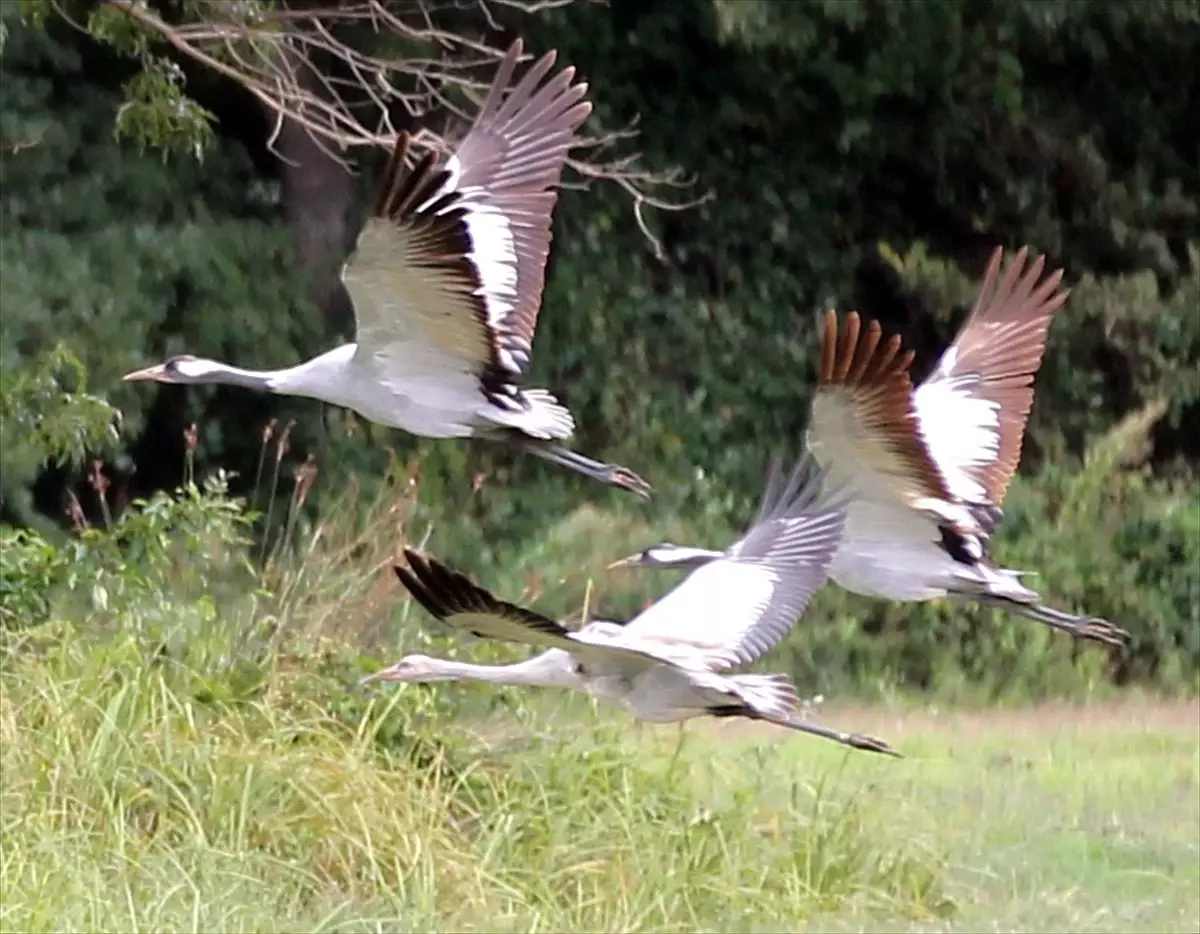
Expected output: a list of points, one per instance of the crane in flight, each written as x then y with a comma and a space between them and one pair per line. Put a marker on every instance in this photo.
672, 662
927, 469
446, 281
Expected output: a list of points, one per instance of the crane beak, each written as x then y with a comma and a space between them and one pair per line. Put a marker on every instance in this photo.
632, 561
157, 372
383, 674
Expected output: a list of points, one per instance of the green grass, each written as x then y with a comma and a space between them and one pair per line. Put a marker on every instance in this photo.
131, 804
184, 746
1050, 818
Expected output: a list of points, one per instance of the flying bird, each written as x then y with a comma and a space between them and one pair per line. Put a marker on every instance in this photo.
928, 468
446, 282
672, 662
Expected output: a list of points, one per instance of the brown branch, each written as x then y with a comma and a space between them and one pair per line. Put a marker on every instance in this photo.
272, 54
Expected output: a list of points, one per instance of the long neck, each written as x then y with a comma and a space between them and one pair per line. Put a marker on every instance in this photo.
225, 374
553, 668
318, 378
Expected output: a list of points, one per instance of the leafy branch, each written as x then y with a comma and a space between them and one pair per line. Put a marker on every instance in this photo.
45, 406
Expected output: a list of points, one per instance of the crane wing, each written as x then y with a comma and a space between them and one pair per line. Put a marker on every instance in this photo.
738, 607
864, 427
461, 604
453, 258
974, 405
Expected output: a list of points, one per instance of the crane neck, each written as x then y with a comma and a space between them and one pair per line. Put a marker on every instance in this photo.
553, 668
682, 558
323, 377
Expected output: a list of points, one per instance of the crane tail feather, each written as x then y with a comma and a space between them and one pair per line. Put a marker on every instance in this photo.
772, 695
538, 415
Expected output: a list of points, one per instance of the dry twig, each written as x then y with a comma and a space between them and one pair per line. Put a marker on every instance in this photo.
295, 62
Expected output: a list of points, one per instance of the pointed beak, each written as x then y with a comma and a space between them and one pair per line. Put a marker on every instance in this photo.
157, 372
631, 562
380, 675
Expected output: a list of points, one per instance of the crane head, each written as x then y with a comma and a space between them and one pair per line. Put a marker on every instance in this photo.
668, 556
182, 368
414, 669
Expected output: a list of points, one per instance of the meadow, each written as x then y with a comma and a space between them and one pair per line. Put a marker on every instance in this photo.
184, 746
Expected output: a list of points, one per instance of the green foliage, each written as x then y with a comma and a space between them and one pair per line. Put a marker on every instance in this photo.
158, 115
46, 415
128, 259
147, 720
835, 127
180, 552
862, 155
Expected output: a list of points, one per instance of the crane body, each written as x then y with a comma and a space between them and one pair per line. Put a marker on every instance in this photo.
927, 468
446, 281
673, 661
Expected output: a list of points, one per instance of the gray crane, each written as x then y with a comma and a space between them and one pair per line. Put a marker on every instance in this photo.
671, 662
446, 282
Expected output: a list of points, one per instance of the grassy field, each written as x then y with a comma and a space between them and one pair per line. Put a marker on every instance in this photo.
184, 747
131, 804
1049, 818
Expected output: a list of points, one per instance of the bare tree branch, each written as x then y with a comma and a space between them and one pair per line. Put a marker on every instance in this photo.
292, 60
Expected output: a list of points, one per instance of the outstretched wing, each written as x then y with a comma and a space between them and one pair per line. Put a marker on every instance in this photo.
453, 260
461, 604
974, 405
738, 607
863, 426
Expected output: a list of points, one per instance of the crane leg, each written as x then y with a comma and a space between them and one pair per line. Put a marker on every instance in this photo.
1081, 627
678, 749
613, 475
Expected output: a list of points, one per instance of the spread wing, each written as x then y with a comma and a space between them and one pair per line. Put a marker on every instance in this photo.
453, 260
461, 604
864, 426
738, 607
974, 406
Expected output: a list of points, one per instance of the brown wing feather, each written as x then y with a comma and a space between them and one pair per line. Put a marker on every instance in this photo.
514, 153
510, 160
1003, 342
417, 238
871, 377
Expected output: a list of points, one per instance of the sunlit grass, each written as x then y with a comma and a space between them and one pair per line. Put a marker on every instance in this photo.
129, 805
181, 751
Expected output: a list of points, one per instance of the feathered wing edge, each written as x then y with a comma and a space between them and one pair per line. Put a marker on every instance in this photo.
872, 378
446, 595
789, 555
454, 598
797, 547
1002, 343
806, 489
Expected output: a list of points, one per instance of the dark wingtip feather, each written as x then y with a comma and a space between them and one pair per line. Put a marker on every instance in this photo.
445, 593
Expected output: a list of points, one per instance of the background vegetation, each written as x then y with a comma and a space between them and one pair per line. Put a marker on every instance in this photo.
858, 154
193, 580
